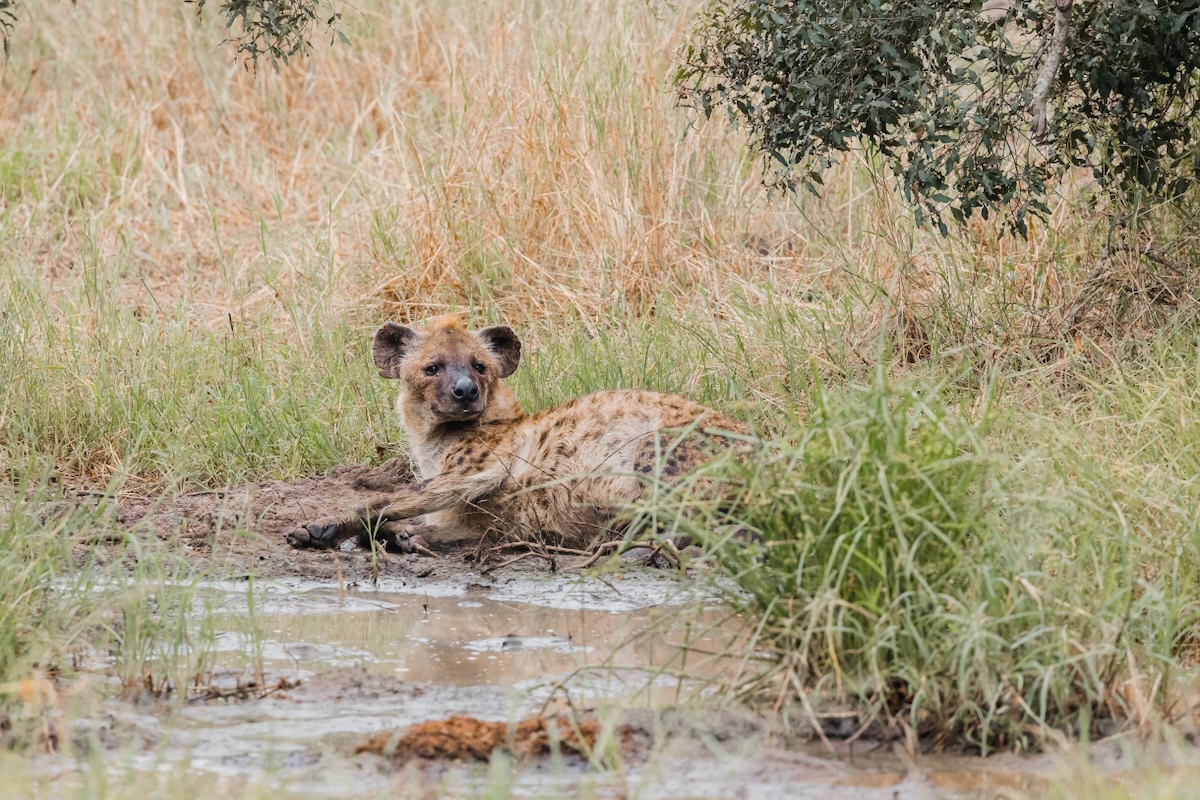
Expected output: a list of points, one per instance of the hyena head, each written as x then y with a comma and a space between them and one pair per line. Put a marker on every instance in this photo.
449, 374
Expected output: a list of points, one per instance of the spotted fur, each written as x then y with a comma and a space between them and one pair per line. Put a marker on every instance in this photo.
489, 471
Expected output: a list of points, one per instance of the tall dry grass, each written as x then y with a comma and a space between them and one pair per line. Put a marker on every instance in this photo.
524, 158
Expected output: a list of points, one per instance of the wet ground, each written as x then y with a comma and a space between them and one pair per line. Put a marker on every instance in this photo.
356, 661
626, 650
314, 653
366, 660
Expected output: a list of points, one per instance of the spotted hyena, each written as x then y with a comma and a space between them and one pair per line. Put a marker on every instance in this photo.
489, 471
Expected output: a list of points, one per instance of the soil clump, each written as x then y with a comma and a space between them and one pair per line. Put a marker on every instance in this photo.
462, 738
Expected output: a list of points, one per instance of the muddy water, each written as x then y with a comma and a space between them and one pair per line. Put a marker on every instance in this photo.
387, 655
524, 633
370, 658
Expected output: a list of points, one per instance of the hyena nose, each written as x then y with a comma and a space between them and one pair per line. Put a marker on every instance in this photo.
465, 389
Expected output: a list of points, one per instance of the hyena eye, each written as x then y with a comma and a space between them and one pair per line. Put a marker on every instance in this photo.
479, 368
432, 369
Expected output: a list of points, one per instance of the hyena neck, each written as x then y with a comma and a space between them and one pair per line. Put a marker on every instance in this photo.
429, 438
502, 406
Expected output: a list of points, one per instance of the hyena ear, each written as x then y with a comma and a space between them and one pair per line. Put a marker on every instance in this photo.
503, 343
391, 343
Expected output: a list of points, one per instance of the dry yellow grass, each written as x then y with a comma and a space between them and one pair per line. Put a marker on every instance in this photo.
523, 158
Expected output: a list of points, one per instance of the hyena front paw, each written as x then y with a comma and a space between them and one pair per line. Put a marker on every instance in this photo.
322, 534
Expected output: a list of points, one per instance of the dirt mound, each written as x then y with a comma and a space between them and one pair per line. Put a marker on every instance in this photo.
239, 530
468, 739
269, 507
243, 526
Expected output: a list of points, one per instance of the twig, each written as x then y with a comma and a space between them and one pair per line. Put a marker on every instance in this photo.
600, 552
421, 549
532, 548
549, 548
672, 554
241, 692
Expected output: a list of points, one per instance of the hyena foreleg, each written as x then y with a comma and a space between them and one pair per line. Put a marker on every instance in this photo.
381, 516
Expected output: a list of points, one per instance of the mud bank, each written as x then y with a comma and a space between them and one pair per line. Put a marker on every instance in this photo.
239, 530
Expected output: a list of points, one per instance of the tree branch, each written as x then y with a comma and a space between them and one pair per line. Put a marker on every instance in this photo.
1045, 80
8, 18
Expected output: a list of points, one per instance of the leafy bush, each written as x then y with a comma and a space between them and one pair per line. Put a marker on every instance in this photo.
274, 28
8, 17
943, 95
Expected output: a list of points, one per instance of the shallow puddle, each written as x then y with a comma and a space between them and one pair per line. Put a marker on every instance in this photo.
376, 657
373, 658
503, 635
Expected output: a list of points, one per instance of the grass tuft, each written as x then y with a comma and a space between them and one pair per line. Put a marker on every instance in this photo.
890, 553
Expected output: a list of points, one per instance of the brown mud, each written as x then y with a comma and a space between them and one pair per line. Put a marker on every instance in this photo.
240, 529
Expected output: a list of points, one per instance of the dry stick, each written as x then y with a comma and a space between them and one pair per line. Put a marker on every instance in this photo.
672, 553
1095, 280
1045, 80
549, 548
667, 549
564, 551
421, 549
240, 692
531, 549
601, 551
655, 550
